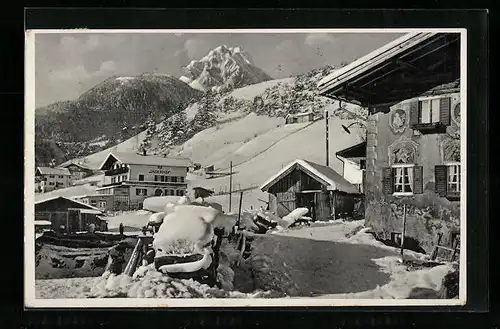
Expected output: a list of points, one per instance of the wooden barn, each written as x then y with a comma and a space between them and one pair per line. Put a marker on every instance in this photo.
69, 216
305, 184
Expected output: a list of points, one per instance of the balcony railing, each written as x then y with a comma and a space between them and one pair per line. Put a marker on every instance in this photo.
116, 171
159, 183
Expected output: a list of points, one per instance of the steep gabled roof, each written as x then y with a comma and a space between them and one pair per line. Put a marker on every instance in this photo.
53, 171
154, 160
77, 203
323, 174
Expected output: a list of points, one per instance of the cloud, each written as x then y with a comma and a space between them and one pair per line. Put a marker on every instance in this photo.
107, 67
318, 39
196, 48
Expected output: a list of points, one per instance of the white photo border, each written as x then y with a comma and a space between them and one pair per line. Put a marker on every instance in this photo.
29, 197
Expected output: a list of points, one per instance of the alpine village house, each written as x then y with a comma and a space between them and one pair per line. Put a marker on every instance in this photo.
411, 88
131, 178
49, 178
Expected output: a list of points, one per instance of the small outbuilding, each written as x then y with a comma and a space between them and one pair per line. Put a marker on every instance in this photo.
299, 117
69, 216
305, 184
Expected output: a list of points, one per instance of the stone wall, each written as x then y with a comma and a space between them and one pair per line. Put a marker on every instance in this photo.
427, 213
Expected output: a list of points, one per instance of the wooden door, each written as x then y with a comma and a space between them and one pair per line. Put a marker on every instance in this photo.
73, 220
322, 206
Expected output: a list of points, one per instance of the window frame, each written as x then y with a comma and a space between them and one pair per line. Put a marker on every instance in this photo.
402, 165
138, 191
459, 174
431, 110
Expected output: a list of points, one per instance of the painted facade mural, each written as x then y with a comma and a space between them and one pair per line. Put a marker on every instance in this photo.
432, 165
398, 120
403, 150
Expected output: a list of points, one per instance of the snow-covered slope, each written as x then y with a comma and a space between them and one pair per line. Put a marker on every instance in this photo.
223, 68
261, 157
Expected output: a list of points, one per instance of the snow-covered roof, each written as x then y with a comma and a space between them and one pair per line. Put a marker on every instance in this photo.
301, 114
74, 163
139, 159
325, 175
91, 195
53, 171
90, 211
85, 206
42, 222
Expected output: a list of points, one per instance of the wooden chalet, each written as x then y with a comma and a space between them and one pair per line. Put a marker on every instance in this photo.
69, 216
305, 184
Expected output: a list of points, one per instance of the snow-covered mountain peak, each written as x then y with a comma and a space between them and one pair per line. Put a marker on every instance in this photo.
223, 67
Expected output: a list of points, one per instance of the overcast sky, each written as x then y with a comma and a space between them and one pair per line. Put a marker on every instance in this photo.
68, 64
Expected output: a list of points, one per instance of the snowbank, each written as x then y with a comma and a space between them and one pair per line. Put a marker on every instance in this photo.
157, 203
402, 281
135, 219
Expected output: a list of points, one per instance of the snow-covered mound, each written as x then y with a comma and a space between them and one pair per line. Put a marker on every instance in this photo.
185, 79
224, 68
158, 203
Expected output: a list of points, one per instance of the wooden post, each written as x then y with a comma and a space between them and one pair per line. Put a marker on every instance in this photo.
67, 222
239, 209
80, 223
230, 183
403, 232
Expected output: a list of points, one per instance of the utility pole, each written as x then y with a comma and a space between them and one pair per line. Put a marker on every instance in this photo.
230, 183
326, 135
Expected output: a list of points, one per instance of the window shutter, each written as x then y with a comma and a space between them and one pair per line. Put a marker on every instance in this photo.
387, 181
418, 180
413, 113
441, 177
444, 110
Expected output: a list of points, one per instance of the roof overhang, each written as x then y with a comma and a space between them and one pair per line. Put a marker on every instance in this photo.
400, 70
356, 151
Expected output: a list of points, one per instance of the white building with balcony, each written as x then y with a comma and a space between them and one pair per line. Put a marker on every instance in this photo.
131, 178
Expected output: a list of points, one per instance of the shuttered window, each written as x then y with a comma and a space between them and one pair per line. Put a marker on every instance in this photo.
448, 180
402, 180
431, 113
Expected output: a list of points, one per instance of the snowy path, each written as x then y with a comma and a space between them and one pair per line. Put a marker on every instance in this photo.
318, 264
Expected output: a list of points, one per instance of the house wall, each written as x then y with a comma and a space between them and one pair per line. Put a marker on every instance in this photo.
149, 172
352, 172
53, 182
96, 201
78, 173
427, 213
